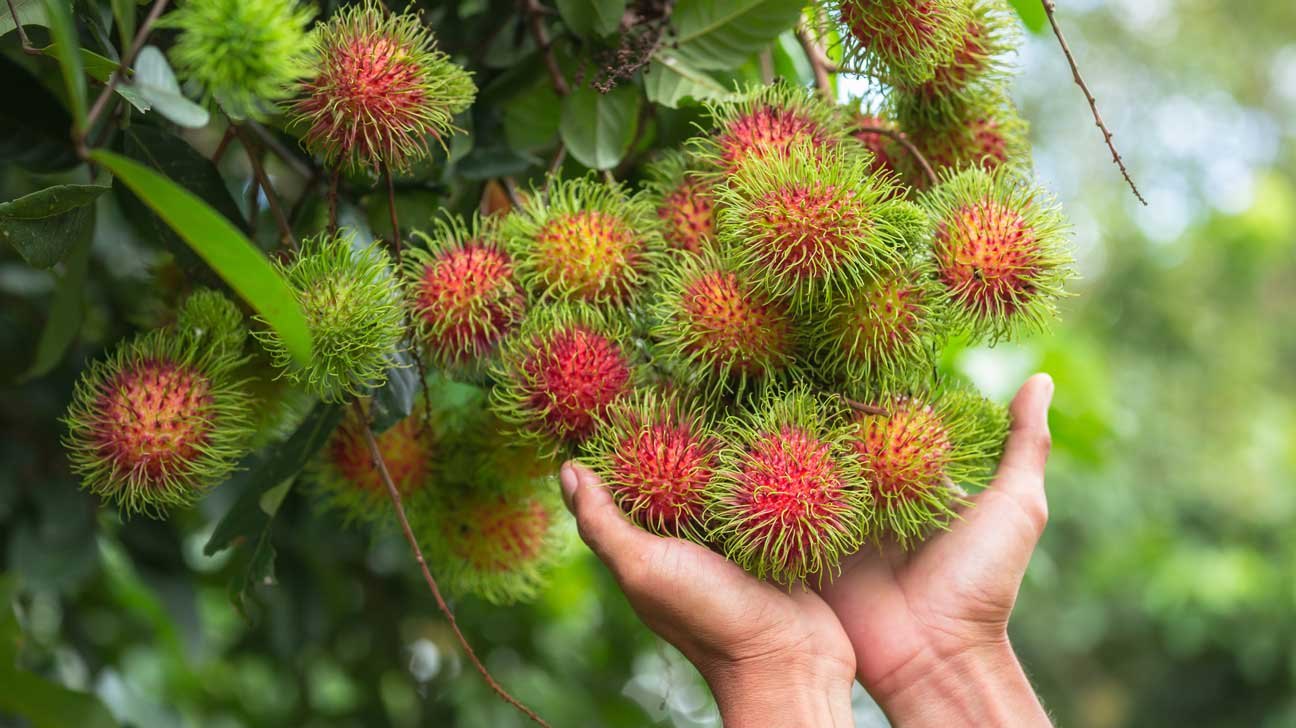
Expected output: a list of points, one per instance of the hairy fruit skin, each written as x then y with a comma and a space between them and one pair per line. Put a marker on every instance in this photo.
210, 317
901, 42
158, 423
985, 132
656, 453
1001, 253
920, 454
246, 54
684, 200
978, 64
559, 373
349, 297
349, 481
380, 90
589, 242
763, 124
463, 295
789, 499
715, 331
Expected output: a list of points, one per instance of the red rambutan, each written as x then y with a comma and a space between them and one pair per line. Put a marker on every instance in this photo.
684, 200
348, 478
901, 42
764, 123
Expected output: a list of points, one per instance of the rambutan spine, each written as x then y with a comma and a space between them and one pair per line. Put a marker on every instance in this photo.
762, 124
983, 131
900, 42
979, 63
209, 317
684, 200
347, 479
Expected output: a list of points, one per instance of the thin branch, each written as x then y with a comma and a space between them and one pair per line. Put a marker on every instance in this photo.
391, 210
819, 63
900, 137
766, 60
286, 237
535, 13
867, 409
126, 60
510, 189
27, 47
395, 497
1049, 8
272, 143
333, 203
224, 145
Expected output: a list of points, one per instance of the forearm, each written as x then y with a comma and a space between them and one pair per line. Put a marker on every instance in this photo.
981, 687
781, 698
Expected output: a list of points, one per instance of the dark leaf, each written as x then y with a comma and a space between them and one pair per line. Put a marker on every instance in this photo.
723, 34
64, 321
63, 31
394, 400
44, 225
598, 128
35, 129
592, 17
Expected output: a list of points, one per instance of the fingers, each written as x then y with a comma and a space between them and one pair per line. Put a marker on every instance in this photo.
601, 524
1021, 472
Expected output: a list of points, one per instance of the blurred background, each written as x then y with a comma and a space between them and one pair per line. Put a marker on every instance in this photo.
1164, 593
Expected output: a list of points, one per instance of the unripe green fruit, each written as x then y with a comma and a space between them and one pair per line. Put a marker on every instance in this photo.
211, 318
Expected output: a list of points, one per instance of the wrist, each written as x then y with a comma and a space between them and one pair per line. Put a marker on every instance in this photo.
782, 694
982, 685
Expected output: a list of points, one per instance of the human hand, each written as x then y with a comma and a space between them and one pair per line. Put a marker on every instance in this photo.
929, 626
771, 656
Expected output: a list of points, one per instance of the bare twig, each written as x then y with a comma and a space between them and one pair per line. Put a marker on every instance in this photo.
766, 60
819, 62
900, 137
224, 145
395, 497
27, 47
286, 237
1049, 8
272, 143
126, 60
510, 189
867, 409
333, 203
391, 210
535, 13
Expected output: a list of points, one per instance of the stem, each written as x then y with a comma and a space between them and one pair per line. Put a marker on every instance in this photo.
102, 100
819, 62
27, 47
391, 210
333, 203
258, 171
766, 59
510, 189
900, 137
271, 142
554, 165
395, 497
867, 409
535, 13
221, 148
1049, 8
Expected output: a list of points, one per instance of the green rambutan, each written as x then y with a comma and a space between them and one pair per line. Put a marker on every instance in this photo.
350, 296
247, 55
656, 453
714, 331
380, 90
347, 478
559, 373
1000, 249
789, 498
919, 454
462, 294
989, 35
763, 124
805, 224
985, 131
209, 317
158, 423
589, 242
685, 201
901, 42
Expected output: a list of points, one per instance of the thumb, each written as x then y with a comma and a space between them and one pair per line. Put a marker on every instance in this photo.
1021, 471
613, 538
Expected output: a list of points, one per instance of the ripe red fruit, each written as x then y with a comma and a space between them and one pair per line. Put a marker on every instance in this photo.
882, 147
902, 42
346, 474
765, 123
685, 202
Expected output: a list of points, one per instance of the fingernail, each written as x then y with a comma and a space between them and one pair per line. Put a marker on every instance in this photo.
567, 476
1048, 392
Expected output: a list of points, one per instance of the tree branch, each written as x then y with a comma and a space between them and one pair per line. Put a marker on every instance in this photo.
900, 137
867, 409
286, 237
333, 202
126, 60
397, 506
391, 211
819, 63
535, 13
27, 47
1049, 8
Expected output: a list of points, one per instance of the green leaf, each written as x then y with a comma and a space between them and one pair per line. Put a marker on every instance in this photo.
1032, 14
100, 68
30, 12
722, 34
496, 160
44, 225
124, 14
592, 17
66, 313
531, 118
598, 128
394, 400
222, 245
156, 83
790, 59
35, 129
672, 81
63, 32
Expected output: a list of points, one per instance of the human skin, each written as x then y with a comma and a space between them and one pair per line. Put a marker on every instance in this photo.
924, 631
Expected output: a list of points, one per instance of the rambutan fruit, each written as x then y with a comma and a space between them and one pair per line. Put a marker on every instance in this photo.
1001, 252
901, 42
884, 149
714, 331
157, 423
804, 224
684, 200
989, 35
921, 450
380, 90
209, 317
985, 132
764, 123
656, 453
247, 55
559, 372
495, 543
351, 300
347, 478
886, 330
589, 242
462, 294
789, 498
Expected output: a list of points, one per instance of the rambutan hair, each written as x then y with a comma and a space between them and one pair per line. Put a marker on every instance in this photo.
380, 90
762, 124
462, 293
899, 42
984, 130
789, 498
208, 316
918, 455
717, 333
656, 453
806, 224
559, 372
684, 200
1001, 251
350, 296
347, 479
586, 241
980, 63
159, 422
